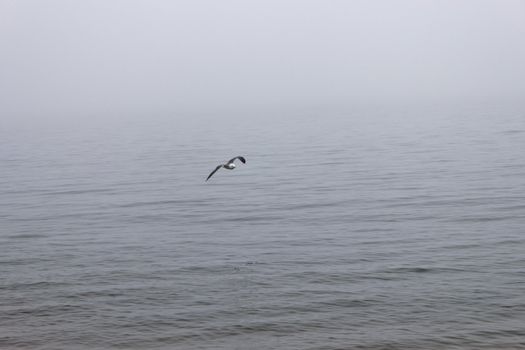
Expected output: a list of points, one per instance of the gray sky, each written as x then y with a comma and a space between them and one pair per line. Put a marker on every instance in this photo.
82, 58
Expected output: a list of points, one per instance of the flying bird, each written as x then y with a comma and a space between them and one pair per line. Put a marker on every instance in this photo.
230, 165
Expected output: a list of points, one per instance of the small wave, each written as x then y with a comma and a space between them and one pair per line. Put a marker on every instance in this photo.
480, 219
314, 205
24, 261
76, 192
164, 202
26, 236
35, 285
419, 269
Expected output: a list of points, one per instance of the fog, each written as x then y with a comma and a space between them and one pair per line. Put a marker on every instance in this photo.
78, 59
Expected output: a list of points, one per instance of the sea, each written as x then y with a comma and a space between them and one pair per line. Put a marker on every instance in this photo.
368, 226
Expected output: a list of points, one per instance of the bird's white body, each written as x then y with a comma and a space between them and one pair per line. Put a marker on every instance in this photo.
229, 166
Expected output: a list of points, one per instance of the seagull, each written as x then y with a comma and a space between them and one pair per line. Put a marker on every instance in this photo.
229, 165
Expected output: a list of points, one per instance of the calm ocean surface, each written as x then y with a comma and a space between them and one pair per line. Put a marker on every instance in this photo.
369, 228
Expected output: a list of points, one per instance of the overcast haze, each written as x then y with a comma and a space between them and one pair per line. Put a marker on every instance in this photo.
83, 58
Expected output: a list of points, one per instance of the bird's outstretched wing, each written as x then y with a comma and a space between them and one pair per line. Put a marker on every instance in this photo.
213, 172
242, 159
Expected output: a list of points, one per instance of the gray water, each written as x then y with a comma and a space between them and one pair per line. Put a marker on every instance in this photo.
364, 228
